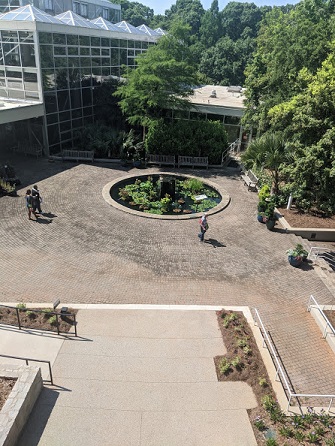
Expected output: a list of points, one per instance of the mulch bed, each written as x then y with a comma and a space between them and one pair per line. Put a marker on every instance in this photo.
330, 314
6, 385
243, 362
41, 319
297, 219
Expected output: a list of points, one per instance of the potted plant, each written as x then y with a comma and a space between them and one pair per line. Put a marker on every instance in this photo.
270, 216
263, 205
297, 255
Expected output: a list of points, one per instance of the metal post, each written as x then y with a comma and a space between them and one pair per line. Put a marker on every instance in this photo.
50, 372
289, 203
75, 324
18, 317
57, 323
330, 404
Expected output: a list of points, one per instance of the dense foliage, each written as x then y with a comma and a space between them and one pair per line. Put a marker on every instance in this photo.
284, 56
146, 195
188, 138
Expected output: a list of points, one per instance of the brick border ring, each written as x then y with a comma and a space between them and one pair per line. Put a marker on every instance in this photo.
107, 197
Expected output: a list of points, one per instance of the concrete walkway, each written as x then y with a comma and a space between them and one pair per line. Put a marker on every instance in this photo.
94, 253
139, 378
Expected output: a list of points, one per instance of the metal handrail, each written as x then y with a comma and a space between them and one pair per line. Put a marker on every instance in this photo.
231, 149
279, 369
315, 251
35, 360
328, 323
52, 313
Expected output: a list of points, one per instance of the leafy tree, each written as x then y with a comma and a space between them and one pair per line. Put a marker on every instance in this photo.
225, 62
238, 16
309, 121
287, 43
211, 27
136, 13
188, 11
267, 152
162, 80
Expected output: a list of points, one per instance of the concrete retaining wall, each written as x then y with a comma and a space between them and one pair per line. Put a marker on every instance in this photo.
20, 402
319, 319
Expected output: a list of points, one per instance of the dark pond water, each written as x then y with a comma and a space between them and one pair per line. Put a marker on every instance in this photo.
174, 189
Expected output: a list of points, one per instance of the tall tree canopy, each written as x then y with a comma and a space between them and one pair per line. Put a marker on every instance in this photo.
162, 80
135, 13
287, 43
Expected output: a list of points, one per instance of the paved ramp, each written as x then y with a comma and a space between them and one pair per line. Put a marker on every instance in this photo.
142, 378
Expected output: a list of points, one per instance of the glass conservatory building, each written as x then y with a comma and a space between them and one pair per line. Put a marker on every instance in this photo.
51, 68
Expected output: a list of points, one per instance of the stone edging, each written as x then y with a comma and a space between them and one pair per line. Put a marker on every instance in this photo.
319, 319
222, 205
320, 234
20, 402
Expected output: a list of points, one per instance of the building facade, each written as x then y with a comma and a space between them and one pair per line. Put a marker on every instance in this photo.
51, 68
89, 9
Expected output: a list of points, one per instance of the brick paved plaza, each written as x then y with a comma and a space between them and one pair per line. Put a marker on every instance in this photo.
94, 253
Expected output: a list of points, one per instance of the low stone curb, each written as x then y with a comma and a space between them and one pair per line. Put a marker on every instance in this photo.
222, 205
20, 402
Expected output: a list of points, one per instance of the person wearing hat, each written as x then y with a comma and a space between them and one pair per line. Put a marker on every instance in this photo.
203, 227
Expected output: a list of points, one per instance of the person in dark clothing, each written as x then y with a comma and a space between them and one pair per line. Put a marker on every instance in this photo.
29, 204
35, 193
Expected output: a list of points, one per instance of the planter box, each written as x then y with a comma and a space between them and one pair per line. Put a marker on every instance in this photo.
20, 402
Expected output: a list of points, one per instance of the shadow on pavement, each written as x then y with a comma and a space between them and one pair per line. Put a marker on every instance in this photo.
37, 421
215, 243
49, 215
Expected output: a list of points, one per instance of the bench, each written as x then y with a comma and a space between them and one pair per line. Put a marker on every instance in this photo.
250, 180
29, 149
78, 155
193, 161
161, 159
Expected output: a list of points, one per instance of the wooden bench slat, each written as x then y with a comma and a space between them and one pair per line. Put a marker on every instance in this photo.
78, 155
161, 159
193, 161
250, 180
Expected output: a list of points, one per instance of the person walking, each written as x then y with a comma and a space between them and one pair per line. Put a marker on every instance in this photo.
29, 204
37, 199
203, 227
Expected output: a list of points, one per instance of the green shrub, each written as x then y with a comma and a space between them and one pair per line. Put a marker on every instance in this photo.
286, 432
21, 306
224, 366
259, 423
242, 343
47, 312
53, 320
263, 382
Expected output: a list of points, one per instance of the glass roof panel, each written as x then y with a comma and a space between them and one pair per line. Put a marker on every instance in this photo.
73, 19
148, 30
105, 24
29, 13
160, 31
129, 28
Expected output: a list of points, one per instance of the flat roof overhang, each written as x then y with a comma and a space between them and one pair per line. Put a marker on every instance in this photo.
13, 111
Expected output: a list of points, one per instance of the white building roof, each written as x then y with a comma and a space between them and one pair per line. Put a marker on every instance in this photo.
105, 24
73, 19
148, 30
29, 13
221, 102
129, 28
